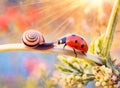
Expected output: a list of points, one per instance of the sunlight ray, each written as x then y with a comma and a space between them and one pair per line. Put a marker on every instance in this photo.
60, 15
54, 14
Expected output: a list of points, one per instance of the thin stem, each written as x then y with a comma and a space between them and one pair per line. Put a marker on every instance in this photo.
109, 36
110, 30
55, 50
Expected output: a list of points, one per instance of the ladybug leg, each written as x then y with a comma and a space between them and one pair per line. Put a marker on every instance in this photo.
64, 46
84, 53
75, 53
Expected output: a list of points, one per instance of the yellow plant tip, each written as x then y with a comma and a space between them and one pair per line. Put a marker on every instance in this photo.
72, 59
91, 48
60, 57
96, 45
63, 68
86, 61
68, 58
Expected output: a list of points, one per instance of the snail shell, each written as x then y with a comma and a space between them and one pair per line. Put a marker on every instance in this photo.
32, 38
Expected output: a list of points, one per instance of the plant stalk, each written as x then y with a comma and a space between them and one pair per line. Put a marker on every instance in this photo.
55, 50
110, 30
109, 36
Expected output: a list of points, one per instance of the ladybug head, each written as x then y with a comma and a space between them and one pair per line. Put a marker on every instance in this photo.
62, 40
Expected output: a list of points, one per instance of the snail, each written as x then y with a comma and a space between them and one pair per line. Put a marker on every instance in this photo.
34, 39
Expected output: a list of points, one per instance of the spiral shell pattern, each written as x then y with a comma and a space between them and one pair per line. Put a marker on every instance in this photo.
32, 38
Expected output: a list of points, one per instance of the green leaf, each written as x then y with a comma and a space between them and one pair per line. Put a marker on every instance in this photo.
66, 62
63, 68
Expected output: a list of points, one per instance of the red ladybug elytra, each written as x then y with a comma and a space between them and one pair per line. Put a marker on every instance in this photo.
75, 42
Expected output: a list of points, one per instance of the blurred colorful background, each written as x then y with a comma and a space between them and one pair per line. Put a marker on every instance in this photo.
54, 18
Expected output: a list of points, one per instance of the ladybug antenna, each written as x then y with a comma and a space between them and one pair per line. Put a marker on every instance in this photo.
59, 41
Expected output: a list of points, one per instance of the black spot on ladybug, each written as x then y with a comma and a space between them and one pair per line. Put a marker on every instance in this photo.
73, 35
76, 41
82, 46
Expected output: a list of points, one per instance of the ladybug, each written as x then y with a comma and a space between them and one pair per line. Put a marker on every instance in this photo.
76, 42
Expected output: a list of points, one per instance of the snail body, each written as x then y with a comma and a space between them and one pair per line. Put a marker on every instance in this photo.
35, 39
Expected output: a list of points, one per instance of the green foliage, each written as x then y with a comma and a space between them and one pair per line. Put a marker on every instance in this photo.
78, 72
63, 68
96, 46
